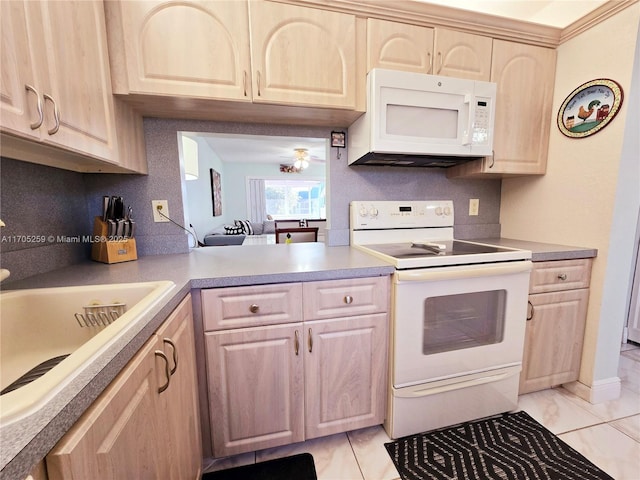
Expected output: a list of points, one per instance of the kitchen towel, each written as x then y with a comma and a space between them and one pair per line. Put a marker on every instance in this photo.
508, 446
294, 467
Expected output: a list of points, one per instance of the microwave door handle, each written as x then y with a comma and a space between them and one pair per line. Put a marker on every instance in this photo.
469, 100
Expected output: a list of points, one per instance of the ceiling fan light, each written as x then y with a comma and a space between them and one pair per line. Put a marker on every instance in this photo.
301, 158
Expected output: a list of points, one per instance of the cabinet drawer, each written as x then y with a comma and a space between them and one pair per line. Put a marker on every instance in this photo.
339, 298
237, 307
560, 275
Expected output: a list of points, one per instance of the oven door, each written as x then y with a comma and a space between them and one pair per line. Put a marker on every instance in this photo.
453, 321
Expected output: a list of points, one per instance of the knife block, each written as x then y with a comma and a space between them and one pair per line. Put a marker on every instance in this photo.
111, 251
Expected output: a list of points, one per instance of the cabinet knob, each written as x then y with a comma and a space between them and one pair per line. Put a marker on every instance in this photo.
254, 308
348, 299
532, 311
562, 276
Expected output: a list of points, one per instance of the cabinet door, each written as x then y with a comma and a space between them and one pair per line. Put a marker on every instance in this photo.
117, 433
553, 339
181, 422
345, 374
255, 382
302, 56
525, 77
18, 106
194, 48
398, 46
75, 56
462, 55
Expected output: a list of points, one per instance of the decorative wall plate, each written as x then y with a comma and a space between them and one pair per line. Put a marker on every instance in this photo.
590, 108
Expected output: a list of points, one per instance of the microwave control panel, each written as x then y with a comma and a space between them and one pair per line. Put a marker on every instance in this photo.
481, 121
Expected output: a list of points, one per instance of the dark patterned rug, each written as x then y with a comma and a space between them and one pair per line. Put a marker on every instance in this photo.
509, 446
294, 467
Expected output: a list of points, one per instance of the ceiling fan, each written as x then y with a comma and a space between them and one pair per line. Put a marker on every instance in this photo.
301, 160
301, 156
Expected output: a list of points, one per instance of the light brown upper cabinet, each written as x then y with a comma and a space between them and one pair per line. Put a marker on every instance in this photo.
302, 56
202, 50
525, 76
461, 55
191, 49
55, 77
398, 46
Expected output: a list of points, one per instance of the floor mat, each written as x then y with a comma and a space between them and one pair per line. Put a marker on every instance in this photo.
295, 467
509, 446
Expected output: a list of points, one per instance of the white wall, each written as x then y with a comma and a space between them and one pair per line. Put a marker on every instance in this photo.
199, 204
586, 198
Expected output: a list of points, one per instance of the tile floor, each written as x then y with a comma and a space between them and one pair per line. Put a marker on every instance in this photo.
608, 434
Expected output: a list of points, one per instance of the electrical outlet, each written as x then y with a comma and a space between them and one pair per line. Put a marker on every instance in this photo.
160, 206
474, 206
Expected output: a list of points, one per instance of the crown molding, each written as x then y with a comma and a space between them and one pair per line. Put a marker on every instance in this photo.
429, 15
602, 13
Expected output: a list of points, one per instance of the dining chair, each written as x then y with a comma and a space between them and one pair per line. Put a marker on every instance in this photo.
296, 235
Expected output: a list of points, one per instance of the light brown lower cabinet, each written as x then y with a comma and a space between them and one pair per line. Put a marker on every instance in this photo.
145, 425
272, 385
556, 319
345, 374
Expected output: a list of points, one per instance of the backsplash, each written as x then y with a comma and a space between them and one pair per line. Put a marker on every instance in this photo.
46, 209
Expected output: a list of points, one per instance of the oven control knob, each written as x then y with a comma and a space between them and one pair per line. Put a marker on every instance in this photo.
363, 212
373, 212
439, 211
447, 211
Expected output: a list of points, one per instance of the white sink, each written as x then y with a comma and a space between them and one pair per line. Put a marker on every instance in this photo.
39, 324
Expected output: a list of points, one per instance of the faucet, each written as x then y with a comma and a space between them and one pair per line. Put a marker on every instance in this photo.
4, 273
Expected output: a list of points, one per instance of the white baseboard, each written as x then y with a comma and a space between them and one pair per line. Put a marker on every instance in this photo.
601, 390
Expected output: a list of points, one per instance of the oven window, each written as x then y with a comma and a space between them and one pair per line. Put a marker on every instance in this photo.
466, 320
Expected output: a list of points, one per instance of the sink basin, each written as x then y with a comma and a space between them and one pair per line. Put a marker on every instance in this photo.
61, 332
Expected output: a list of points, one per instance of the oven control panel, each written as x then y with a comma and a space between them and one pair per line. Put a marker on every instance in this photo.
384, 214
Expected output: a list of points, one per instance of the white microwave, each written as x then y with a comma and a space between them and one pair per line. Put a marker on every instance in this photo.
415, 119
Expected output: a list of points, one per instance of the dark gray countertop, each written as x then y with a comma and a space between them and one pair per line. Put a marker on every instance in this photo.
543, 252
27, 442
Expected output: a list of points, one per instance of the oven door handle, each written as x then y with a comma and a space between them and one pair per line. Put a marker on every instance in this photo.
461, 271
425, 392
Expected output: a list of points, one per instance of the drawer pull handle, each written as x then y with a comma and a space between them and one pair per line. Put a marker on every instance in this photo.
530, 315
310, 342
38, 122
244, 82
348, 299
168, 341
562, 276
258, 75
56, 114
296, 343
160, 353
254, 308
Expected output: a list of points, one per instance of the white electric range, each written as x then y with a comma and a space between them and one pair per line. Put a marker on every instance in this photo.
457, 318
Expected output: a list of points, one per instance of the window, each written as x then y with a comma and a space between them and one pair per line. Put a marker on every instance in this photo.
295, 198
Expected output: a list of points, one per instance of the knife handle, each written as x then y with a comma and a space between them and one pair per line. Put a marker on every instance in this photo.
105, 208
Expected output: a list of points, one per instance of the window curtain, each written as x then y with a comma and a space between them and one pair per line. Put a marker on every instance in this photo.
256, 207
